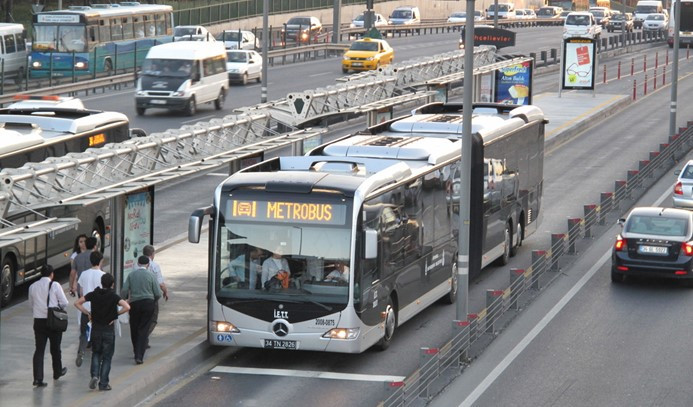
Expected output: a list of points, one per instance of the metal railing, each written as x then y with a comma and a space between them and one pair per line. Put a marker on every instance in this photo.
439, 366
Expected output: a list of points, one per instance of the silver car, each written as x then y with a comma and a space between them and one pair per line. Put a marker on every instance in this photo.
683, 189
655, 22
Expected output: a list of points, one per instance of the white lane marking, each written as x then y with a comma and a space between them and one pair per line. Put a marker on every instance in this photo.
218, 174
199, 119
500, 368
107, 95
319, 74
308, 373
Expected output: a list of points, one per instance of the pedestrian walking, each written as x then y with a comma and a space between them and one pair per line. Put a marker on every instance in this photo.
88, 280
39, 292
79, 247
141, 290
82, 261
103, 312
154, 267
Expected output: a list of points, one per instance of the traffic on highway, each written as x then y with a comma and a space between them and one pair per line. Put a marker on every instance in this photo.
325, 263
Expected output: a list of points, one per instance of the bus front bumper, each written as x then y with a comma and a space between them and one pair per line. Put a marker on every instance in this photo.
296, 341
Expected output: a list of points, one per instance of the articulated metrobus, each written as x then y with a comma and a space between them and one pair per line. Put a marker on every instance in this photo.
686, 28
333, 250
31, 133
571, 5
99, 38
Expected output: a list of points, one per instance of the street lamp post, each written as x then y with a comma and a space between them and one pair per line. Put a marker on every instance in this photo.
265, 49
675, 68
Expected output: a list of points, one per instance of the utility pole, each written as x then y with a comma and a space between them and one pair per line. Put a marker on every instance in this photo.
336, 20
675, 68
466, 168
265, 49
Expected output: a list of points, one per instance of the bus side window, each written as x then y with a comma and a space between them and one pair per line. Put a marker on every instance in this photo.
150, 29
139, 27
160, 23
104, 31
116, 30
92, 34
2, 45
169, 26
127, 28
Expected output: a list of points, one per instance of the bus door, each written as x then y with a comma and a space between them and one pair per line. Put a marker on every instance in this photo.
493, 223
34, 253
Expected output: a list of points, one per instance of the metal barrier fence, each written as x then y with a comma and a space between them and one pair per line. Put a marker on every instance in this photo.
438, 366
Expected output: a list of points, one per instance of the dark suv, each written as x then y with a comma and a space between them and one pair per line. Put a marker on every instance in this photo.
619, 21
302, 29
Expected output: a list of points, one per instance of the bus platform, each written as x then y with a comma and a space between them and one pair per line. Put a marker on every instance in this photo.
179, 342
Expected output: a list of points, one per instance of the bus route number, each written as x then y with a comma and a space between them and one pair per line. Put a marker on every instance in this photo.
324, 322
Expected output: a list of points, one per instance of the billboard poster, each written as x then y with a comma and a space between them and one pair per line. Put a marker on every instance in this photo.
139, 226
513, 84
486, 87
578, 63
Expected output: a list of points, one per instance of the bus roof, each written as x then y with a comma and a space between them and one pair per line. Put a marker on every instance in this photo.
110, 10
9, 28
55, 122
187, 50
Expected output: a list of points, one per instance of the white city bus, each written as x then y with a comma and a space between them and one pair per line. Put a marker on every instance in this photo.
686, 28
379, 205
31, 131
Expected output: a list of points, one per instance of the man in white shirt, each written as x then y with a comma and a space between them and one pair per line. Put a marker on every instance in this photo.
340, 274
87, 282
38, 294
154, 267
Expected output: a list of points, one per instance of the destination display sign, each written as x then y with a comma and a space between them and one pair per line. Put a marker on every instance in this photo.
58, 18
287, 212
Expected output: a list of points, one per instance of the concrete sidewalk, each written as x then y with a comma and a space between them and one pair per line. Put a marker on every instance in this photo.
179, 340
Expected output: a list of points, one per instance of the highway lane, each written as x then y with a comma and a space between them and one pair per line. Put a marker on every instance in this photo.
575, 174
611, 344
298, 77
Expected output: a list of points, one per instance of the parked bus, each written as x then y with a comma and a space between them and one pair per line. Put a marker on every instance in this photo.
32, 132
686, 27
570, 5
101, 37
333, 250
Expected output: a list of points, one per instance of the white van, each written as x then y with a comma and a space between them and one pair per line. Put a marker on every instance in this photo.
505, 10
181, 75
13, 50
405, 15
643, 9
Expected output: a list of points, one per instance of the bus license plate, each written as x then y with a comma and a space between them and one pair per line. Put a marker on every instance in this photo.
653, 250
158, 102
280, 344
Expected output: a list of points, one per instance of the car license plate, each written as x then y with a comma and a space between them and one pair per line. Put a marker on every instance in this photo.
357, 64
653, 250
280, 344
158, 102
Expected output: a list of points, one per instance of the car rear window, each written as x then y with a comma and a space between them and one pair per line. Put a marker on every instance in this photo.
657, 225
687, 172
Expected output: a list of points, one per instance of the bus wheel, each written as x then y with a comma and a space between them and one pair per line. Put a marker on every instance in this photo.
7, 281
517, 242
390, 325
191, 107
505, 257
452, 295
219, 103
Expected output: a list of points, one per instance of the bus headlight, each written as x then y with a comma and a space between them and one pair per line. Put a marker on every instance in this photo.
223, 326
80, 65
36, 64
342, 333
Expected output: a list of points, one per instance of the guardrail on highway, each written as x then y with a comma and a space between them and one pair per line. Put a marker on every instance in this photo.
440, 365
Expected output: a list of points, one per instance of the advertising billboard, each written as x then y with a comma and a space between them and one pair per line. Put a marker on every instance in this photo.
513, 84
579, 63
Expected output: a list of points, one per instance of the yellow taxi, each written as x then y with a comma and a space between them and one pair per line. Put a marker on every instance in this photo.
366, 54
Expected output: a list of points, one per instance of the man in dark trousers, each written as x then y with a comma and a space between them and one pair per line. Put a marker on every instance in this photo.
39, 292
104, 312
142, 291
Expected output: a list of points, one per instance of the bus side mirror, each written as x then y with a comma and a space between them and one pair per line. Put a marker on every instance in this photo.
370, 244
195, 223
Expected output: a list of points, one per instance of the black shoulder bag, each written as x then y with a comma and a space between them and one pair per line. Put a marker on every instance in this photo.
57, 317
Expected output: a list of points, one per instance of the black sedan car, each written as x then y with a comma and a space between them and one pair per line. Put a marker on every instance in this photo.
654, 242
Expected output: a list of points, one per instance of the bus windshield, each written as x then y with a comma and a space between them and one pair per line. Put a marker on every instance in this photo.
288, 251
60, 38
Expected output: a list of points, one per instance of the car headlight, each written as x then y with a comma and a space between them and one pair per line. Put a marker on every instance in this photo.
223, 326
304, 35
139, 93
342, 333
370, 58
346, 57
179, 93
36, 64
